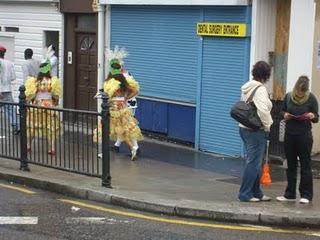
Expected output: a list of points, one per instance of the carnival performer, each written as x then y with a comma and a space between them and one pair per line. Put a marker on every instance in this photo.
120, 88
132, 105
43, 91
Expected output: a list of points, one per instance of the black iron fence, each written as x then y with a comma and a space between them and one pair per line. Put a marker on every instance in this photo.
9, 140
63, 138
57, 137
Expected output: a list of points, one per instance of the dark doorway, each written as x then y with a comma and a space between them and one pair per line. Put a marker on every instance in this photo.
80, 83
86, 71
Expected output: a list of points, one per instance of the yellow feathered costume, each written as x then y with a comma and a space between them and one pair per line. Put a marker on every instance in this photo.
44, 93
123, 124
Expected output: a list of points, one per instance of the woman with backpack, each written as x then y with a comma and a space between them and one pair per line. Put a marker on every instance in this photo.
255, 140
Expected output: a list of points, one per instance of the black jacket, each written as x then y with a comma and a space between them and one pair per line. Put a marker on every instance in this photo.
296, 126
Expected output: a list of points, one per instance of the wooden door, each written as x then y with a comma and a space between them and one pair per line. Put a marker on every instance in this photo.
86, 71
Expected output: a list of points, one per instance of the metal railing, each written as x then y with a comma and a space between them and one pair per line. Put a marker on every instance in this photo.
57, 138
9, 141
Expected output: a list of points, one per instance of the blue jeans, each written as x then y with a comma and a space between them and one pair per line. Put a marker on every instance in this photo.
10, 111
254, 145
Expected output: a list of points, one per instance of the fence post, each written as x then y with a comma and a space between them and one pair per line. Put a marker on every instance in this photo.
106, 178
23, 130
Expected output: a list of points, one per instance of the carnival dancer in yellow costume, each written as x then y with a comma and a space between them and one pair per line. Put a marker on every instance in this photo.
43, 91
120, 88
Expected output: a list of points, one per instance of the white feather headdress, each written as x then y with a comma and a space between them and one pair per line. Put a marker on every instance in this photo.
117, 53
48, 52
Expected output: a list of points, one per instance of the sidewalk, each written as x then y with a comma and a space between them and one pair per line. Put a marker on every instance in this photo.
175, 180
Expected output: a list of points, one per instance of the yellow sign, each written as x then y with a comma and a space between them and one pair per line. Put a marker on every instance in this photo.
222, 29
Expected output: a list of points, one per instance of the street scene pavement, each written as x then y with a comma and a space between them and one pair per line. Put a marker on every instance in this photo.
34, 214
175, 180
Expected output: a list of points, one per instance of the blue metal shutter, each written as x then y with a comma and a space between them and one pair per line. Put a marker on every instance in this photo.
163, 48
225, 69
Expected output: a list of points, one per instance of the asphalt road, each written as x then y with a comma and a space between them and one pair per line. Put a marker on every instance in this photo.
34, 214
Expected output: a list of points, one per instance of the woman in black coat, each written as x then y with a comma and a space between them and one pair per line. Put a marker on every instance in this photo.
300, 109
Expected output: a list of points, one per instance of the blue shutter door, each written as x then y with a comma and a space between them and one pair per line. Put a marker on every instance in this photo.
152, 115
162, 45
225, 69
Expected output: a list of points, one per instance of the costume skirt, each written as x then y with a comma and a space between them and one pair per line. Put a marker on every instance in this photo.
43, 122
123, 125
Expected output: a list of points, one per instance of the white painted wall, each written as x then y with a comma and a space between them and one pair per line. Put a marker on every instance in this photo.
8, 43
301, 36
32, 19
107, 36
263, 32
315, 88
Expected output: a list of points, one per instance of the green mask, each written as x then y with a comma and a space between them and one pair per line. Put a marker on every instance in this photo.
45, 69
114, 71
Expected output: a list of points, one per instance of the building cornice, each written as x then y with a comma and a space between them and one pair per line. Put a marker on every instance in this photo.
177, 2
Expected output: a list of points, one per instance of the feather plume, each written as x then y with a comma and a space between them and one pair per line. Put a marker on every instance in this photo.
48, 52
31, 87
111, 86
117, 53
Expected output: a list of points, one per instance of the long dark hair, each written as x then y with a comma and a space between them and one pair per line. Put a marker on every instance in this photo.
120, 77
43, 75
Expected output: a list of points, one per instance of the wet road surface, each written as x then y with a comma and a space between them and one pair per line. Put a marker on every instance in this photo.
27, 213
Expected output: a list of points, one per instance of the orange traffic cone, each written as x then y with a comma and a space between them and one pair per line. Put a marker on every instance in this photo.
265, 179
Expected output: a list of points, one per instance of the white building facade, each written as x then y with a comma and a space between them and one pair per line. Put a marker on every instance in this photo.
30, 24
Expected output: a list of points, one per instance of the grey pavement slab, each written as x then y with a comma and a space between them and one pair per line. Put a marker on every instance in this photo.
177, 181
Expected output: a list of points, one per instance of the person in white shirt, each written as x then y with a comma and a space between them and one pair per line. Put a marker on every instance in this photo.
30, 67
54, 63
7, 75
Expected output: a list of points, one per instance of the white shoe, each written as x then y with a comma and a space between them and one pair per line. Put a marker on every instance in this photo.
265, 198
284, 199
254, 200
304, 201
134, 154
100, 155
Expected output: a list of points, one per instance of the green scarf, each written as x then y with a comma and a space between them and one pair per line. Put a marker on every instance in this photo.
299, 100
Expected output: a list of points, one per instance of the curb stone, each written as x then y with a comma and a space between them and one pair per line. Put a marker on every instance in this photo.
219, 213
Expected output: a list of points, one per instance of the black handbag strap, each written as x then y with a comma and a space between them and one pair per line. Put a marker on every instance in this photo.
252, 94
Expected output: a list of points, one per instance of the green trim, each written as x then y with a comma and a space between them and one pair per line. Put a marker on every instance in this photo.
115, 71
46, 68
112, 61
